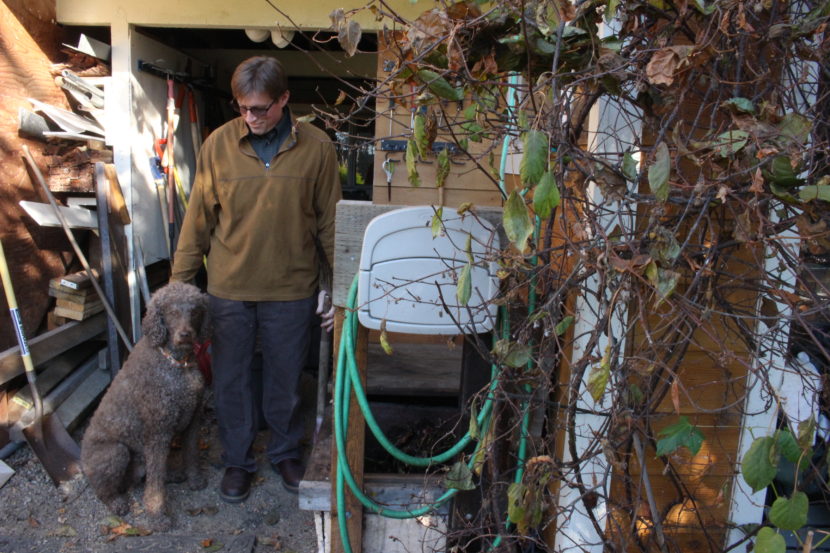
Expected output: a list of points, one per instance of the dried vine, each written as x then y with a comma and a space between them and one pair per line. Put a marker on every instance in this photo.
675, 155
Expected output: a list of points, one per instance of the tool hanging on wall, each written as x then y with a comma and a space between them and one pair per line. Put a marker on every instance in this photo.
195, 127
169, 158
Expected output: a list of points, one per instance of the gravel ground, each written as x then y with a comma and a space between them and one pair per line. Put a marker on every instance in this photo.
36, 516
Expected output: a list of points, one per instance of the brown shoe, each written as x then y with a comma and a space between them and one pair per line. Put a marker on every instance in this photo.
292, 471
236, 485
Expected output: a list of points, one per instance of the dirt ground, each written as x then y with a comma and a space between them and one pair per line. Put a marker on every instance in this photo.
35, 516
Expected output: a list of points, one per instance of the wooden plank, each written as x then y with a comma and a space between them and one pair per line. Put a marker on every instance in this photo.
77, 296
77, 312
117, 204
356, 431
50, 344
57, 396
56, 370
44, 215
414, 370
74, 281
350, 224
74, 409
111, 232
452, 198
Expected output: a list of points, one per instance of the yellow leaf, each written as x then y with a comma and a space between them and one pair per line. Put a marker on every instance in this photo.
384, 339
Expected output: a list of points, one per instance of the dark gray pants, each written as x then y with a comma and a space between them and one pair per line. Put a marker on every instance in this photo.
283, 328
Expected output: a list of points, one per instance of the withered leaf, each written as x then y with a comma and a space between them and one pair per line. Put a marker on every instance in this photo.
349, 37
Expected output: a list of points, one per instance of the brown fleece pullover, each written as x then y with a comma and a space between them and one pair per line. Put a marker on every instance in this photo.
257, 222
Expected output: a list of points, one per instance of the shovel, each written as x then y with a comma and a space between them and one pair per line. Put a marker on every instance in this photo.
58, 452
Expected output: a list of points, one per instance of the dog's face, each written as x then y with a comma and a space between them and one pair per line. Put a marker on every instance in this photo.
183, 323
176, 317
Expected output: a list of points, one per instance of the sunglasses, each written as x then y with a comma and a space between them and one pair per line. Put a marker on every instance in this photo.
256, 111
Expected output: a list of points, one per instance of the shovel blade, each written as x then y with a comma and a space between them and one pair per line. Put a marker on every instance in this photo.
59, 454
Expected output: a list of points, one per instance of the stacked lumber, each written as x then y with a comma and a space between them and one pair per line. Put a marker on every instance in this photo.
75, 297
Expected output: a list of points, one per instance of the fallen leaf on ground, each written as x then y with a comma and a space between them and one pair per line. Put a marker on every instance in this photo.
272, 541
210, 545
64, 531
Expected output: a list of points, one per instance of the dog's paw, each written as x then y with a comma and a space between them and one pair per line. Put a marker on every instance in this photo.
160, 523
119, 505
197, 482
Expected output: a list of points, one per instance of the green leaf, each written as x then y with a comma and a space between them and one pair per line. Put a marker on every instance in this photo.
740, 105
411, 163
384, 339
545, 196
516, 510
680, 434
780, 172
790, 514
666, 283
512, 354
563, 325
703, 8
795, 127
815, 192
786, 444
611, 10
806, 432
516, 220
730, 142
459, 477
665, 248
535, 157
757, 466
436, 222
439, 86
523, 120
420, 134
443, 168
658, 173
629, 167
475, 130
474, 431
769, 541
635, 395
464, 288
599, 375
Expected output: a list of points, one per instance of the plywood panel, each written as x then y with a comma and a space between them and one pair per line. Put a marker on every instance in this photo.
471, 177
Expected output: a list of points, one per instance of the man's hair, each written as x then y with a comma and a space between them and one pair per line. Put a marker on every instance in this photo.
259, 74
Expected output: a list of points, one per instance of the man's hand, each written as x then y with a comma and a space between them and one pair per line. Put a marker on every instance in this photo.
326, 311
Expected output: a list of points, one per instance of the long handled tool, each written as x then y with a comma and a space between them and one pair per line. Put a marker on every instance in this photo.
81, 257
48, 438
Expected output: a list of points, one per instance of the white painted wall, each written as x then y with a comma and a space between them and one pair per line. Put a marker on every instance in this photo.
148, 123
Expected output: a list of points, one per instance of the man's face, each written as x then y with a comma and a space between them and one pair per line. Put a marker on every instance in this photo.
261, 124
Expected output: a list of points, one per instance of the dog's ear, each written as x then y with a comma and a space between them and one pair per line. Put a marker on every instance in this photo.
206, 329
153, 325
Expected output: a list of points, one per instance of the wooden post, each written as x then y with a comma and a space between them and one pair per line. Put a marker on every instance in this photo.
356, 430
101, 186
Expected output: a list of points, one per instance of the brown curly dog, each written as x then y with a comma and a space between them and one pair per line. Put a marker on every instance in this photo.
156, 395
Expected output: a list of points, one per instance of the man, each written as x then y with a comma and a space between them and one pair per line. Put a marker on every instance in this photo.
264, 196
